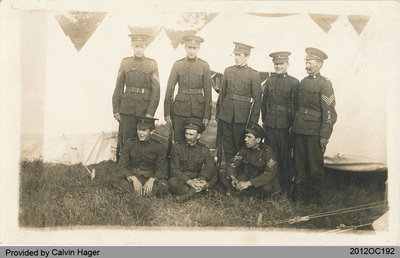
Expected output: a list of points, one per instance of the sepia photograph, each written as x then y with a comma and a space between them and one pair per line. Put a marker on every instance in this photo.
200, 122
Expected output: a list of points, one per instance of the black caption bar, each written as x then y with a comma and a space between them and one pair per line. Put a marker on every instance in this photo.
200, 252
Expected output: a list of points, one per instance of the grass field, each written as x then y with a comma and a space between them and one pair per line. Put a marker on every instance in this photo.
54, 195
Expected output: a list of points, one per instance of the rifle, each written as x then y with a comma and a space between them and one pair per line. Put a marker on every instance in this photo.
293, 170
250, 111
170, 137
219, 142
119, 142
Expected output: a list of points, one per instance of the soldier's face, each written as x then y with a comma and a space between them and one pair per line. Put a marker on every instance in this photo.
143, 134
313, 66
241, 59
191, 51
191, 136
251, 141
281, 68
138, 49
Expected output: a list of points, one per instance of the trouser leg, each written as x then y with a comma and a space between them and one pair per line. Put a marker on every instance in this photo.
177, 186
278, 139
179, 132
160, 187
233, 138
128, 127
284, 159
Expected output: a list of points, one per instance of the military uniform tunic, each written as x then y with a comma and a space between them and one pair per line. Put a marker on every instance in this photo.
194, 93
315, 115
277, 117
144, 159
259, 166
188, 162
139, 77
239, 85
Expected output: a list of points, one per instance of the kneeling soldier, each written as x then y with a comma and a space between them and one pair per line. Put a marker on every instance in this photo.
192, 166
254, 168
142, 162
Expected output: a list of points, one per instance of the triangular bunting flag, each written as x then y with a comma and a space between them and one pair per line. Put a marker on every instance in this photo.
324, 21
79, 26
358, 22
190, 23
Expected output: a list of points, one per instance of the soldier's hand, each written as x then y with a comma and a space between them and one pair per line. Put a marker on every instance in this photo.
148, 115
117, 116
242, 185
197, 185
201, 184
137, 186
323, 142
234, 181
205, 121
148, 186
168, 120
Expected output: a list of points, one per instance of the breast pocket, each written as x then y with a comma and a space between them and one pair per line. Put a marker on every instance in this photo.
199, 78
182, 77
244, 87
285, 95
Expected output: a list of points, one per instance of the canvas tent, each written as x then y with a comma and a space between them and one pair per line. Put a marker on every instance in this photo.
75, 87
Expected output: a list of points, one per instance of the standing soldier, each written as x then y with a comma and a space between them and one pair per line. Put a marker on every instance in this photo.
277, 113
142, 163
315, 115
194, 94
139, 76
240, 95
192, 166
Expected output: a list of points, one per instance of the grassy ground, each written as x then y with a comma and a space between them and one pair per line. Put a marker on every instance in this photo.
54, 195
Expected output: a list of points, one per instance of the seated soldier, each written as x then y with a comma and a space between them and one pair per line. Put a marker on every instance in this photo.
192, 166
142, 162
253, 169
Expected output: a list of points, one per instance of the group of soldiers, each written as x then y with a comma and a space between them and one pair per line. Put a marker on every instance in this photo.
286, 152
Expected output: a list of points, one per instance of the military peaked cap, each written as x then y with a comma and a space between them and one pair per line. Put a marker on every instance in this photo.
192, 40
146, 123
256, 130
193, 123
139, 38
241, 48
313, 53
280, 57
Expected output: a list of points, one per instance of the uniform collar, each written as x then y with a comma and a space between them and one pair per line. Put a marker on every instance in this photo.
144, 142
192, 146
139, 58
283, 75
241, 66
191, 59
313, 76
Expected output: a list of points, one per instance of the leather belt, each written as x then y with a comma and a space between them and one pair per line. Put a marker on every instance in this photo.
239, 97
280, 108
137, 90
191, 91
308, 111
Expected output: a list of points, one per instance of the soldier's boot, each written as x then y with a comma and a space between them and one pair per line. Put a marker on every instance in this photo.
185, 197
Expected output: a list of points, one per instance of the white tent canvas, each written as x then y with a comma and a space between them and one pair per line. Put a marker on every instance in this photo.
165, 55
79, 85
